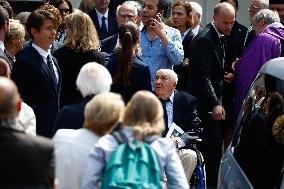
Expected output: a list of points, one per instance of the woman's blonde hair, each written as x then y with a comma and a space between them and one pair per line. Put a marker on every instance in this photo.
144, 113
83, 35
103, 112
16, 29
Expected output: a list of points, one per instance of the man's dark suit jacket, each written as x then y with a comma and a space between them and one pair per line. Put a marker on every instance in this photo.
184, 111
183, 71
26, 161
207, 76
108, 44
71, 116
34, 81
207, 68
112, 23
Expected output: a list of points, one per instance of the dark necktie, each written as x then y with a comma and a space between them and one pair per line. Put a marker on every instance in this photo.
103, 28
51, 69
223, 51
164, 102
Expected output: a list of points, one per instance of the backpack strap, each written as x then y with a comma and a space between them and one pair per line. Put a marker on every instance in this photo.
119, 136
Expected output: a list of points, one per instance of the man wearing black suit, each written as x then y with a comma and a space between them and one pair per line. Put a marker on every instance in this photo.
125, 13
26, 161
208, 73
179, 107
4, 27
104, 20
36, 72
182, 20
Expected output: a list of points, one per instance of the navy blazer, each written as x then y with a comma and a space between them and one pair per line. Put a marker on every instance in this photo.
140, 77
71, 116
108, 44
112, 23
34, 81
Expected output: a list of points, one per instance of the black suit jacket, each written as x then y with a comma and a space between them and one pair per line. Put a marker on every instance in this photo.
185, 112
108, 44
207, 72
71, 116
34, 81
70, 63
26, 161
112, 23
183, 71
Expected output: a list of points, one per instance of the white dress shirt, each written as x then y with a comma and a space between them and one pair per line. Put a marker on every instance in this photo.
100, 16
44, 55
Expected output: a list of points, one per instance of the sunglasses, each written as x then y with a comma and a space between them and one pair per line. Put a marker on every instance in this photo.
64, 11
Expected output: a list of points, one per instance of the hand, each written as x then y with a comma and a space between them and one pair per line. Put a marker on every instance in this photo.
228, 77
234, 64
185, 62
218, 113
158, 26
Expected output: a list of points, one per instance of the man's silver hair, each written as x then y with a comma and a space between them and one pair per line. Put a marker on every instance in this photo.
264, 4
93, 78
130, 4
136, 4
169, 73
269, 16
196, 8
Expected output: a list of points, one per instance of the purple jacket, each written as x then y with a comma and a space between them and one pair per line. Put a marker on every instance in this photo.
264, 47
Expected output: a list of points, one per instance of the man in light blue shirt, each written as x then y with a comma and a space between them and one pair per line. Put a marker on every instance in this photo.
161, 45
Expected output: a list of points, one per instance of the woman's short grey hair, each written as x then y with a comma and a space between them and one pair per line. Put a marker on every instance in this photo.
269, 16
93, 78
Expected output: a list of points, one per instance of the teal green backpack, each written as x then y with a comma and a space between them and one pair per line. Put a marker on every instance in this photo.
133, 165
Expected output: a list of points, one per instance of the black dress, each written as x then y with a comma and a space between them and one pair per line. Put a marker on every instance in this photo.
70, 63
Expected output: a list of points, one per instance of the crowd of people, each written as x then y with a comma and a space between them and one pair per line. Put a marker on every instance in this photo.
71, 77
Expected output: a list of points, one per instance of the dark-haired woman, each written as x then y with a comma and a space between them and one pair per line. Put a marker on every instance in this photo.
127, 70
65, 8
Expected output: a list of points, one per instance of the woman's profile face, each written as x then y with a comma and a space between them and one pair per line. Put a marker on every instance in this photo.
19, 42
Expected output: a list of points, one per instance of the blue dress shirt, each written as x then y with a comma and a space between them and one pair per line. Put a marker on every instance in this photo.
156, 56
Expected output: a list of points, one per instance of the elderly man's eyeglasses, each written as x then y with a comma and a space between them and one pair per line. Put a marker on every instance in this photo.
129, 16
253, 8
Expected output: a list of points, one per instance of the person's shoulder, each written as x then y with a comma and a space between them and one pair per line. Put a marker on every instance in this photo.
139, 64
163, 145
38, 142
64, 134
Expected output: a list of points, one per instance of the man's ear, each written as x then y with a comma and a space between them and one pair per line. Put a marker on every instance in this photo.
7, 25
19, 105
174, 85
34, 31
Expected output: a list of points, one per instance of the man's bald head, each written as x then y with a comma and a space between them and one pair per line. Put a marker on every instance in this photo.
5, 70
9, 99
224, 17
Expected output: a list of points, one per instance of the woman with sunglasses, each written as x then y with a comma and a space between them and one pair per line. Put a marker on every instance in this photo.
65, 8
